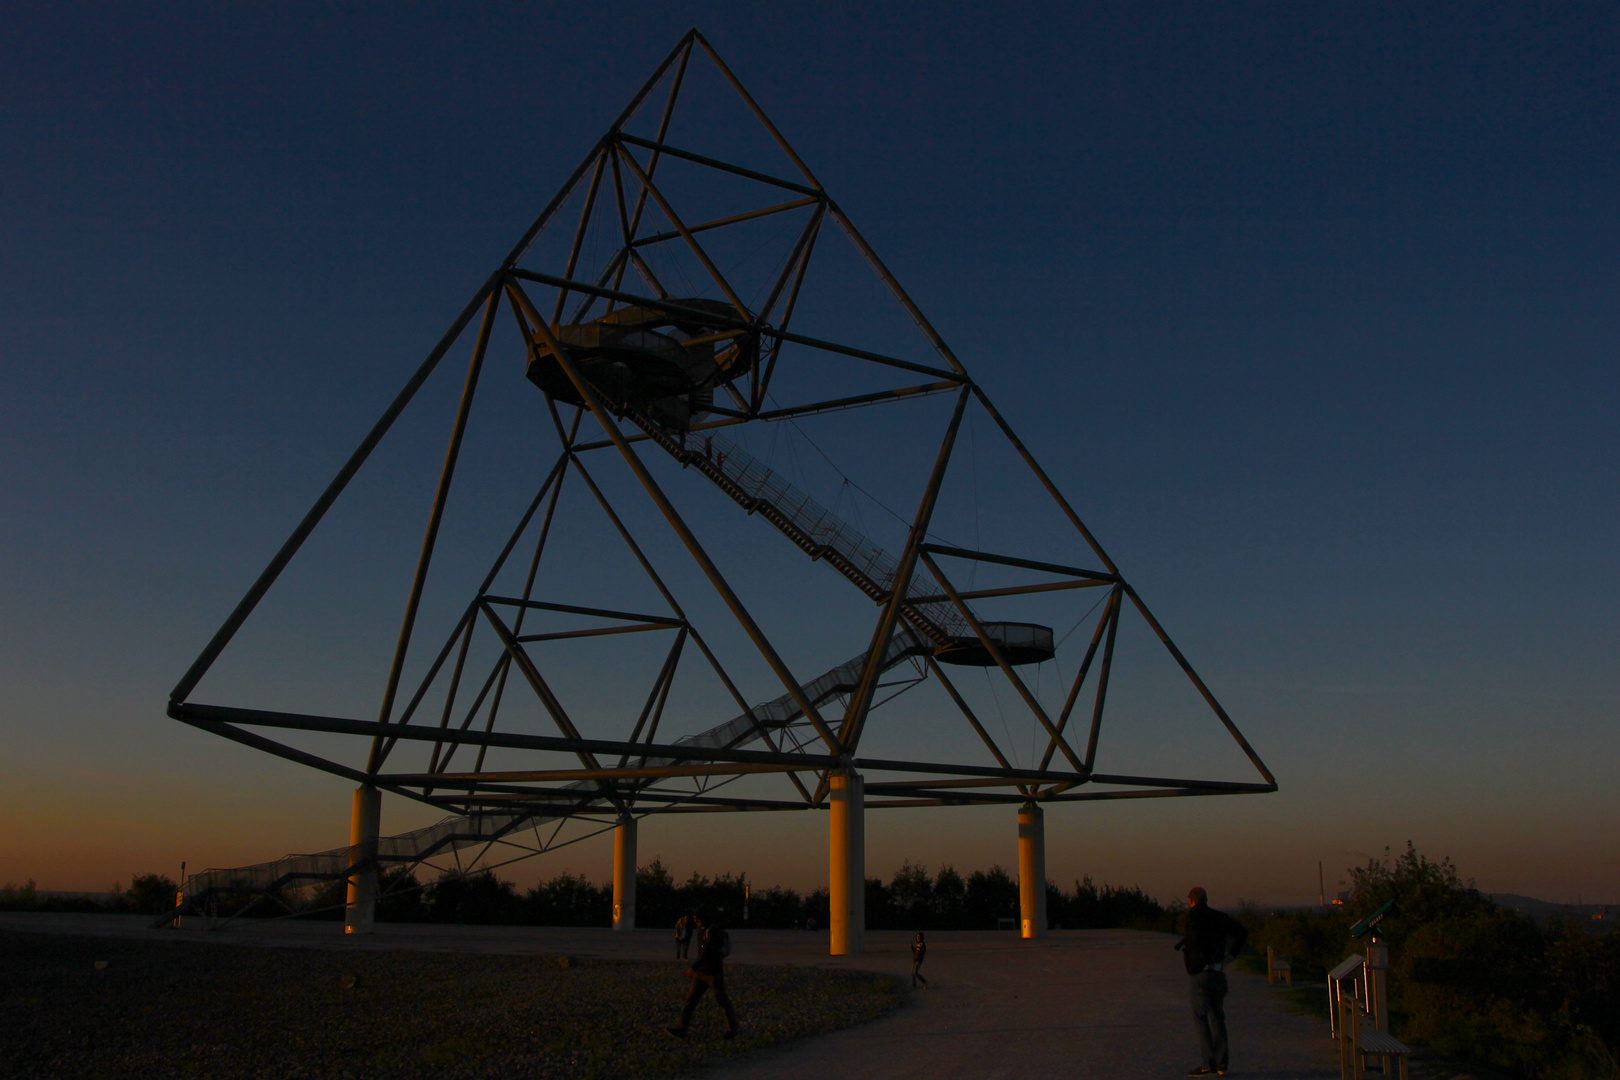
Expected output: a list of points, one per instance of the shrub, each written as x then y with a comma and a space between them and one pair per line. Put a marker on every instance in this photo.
1469, 979
151, 894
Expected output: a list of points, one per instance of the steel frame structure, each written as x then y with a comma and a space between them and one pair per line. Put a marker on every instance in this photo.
639, 774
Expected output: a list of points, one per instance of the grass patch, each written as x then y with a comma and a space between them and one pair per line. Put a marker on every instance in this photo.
192, 1010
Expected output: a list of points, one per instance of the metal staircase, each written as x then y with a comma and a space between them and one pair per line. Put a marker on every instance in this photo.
474, 835
817, 531
931, 623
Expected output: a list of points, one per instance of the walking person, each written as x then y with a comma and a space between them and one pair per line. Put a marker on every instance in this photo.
1210, 941
683, 935
707, 972
919, 949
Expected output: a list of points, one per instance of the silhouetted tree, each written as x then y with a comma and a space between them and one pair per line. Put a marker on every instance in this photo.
949, 899
991, 895
657, 902
775, 908
474, 898
818, 909
399, 897
150, 894
912, 893
1093, 907
569, 900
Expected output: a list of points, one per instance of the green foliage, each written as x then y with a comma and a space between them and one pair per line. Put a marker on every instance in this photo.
567, 900
148, 894
1422, 890
482, 898
399, 897
912, 890
16, 897
950, 893
151, 894
1463, 985
912, 900
992, 895
1093, 907
1314, 942
1471, 980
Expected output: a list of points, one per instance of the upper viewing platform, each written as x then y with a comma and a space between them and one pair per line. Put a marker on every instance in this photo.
639, 356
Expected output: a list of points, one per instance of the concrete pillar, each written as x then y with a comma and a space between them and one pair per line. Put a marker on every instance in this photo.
360, 910
1032, 871
846, 864
624, 873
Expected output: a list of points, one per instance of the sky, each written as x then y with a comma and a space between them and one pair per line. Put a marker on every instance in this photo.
1310, 310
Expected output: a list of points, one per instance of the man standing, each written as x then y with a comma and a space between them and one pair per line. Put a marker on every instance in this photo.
1212, 938
707, 971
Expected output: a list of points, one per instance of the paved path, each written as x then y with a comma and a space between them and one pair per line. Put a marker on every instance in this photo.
1079, 1005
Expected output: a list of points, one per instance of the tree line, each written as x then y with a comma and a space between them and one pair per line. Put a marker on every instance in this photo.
913, 899
147, 894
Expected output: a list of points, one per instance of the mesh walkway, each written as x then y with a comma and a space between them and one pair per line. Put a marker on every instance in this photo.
468, 840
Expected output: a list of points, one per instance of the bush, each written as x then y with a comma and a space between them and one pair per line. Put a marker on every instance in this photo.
476, 898
1471, 980
16, 897
150, 894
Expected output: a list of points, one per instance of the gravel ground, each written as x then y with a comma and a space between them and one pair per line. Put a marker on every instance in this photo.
161, 1009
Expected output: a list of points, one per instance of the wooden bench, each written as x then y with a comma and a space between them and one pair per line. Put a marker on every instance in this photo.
1278, 967
1381, 1044
1357, 1043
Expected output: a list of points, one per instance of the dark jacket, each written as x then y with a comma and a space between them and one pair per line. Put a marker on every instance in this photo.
919, 949
1211, 936
712, 949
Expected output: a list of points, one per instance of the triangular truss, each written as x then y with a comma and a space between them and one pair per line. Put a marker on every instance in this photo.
660, 299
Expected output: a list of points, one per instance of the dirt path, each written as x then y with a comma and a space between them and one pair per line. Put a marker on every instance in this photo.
1078, 1005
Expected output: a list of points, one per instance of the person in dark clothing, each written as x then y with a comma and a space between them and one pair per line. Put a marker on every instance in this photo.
919, 949
1211, 939
707, 972
683, 936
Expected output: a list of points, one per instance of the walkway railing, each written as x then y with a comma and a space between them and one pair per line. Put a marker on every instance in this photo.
816, 530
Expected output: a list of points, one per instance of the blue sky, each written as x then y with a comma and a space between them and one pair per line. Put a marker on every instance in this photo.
1311, 311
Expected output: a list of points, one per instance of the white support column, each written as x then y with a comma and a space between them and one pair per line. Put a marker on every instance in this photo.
846, 864
360, 908
1032, 871
624, 873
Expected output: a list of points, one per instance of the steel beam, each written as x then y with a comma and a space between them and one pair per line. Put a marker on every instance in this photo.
440, 497
693, 547
861, 700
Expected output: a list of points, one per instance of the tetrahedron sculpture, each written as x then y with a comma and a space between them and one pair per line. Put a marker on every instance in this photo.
677, 298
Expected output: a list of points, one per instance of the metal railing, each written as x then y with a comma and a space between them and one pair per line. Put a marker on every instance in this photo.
814, 528
456, 834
